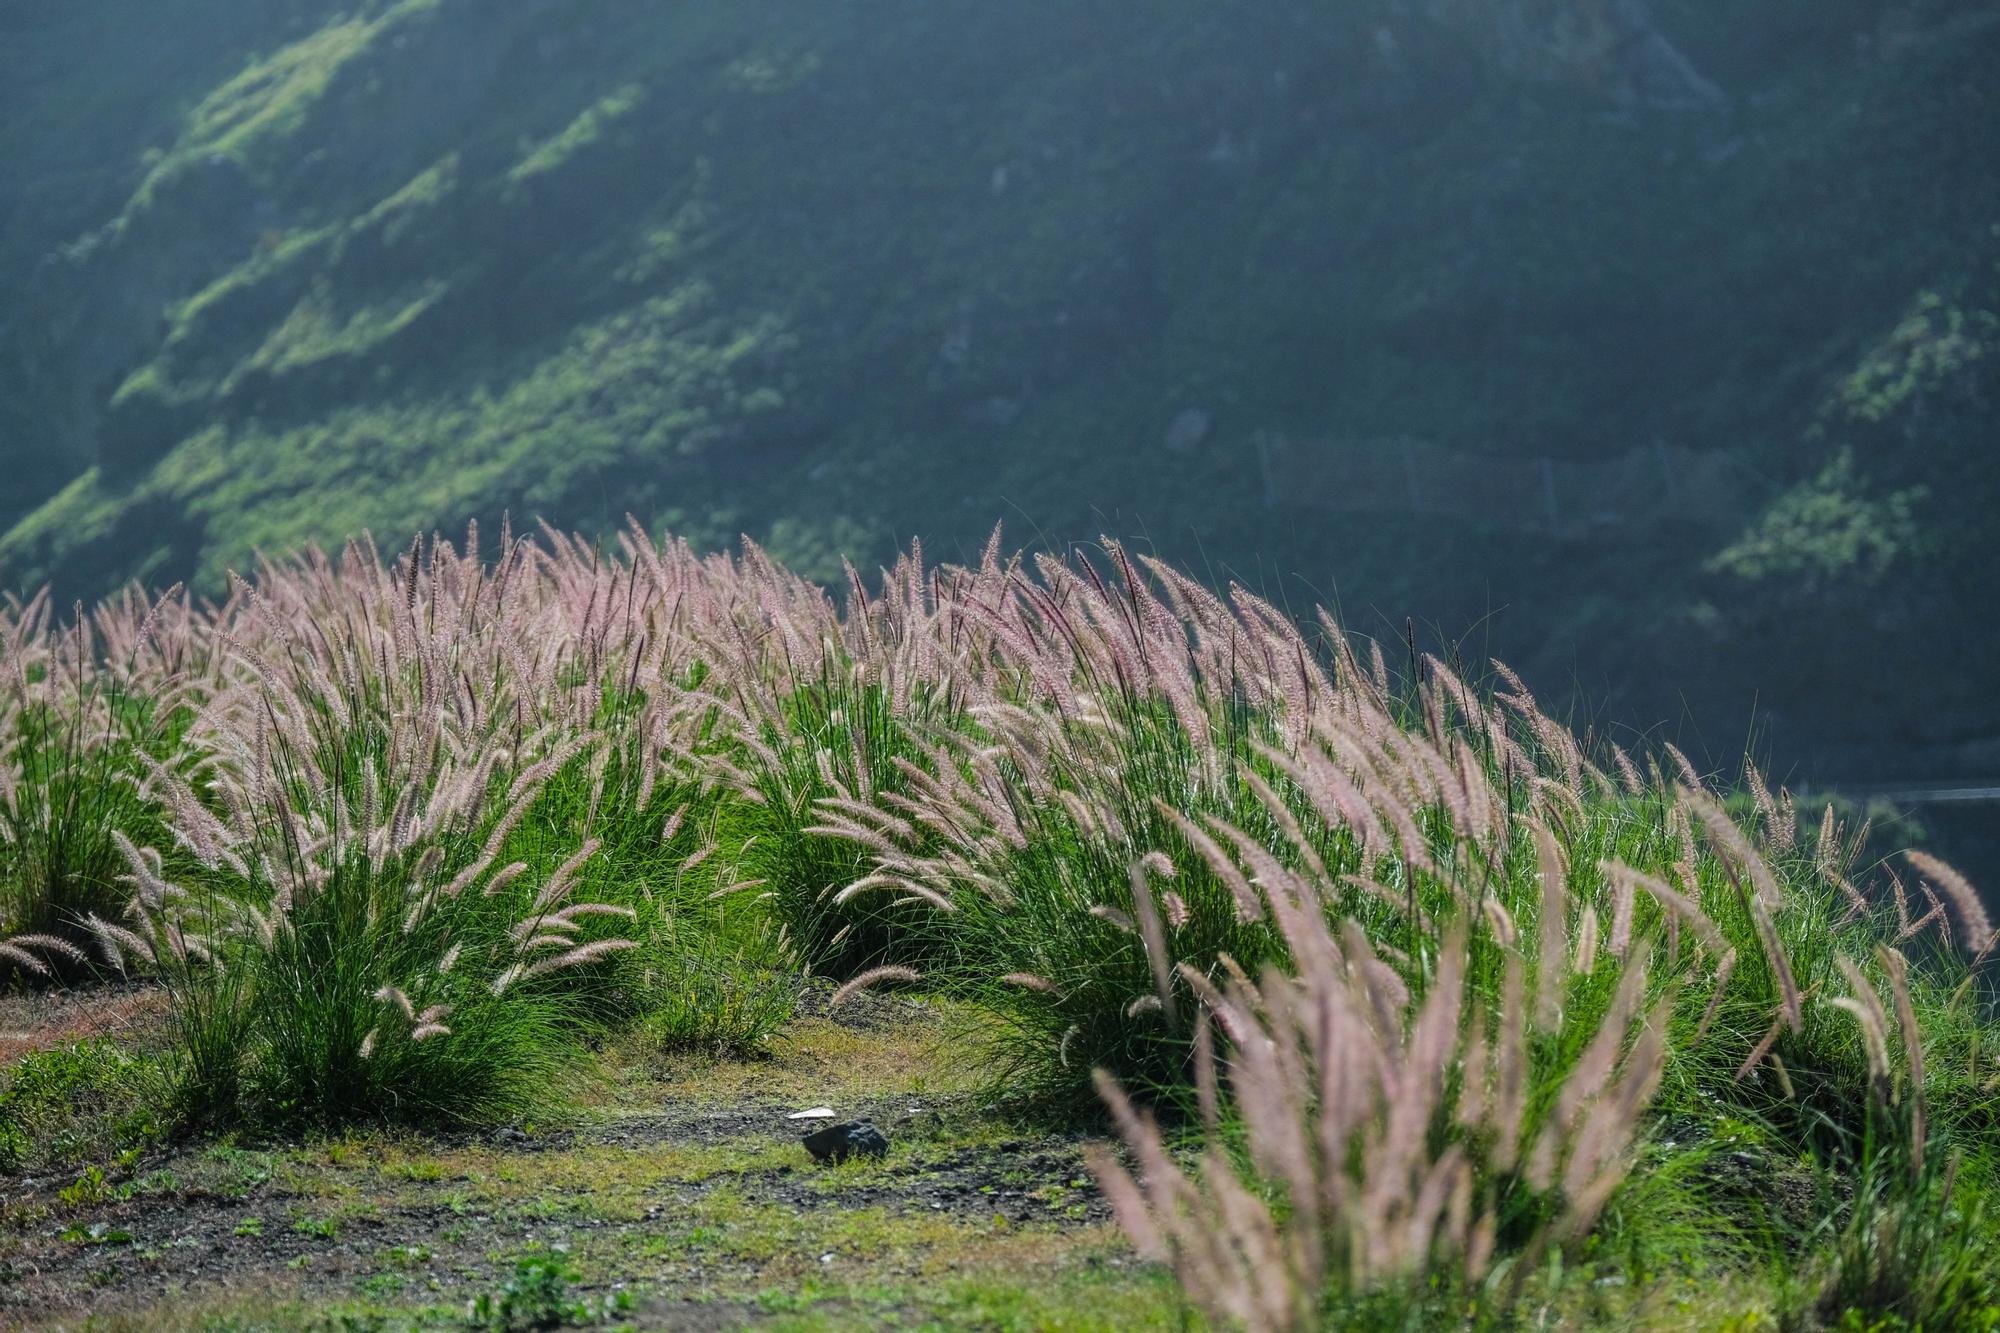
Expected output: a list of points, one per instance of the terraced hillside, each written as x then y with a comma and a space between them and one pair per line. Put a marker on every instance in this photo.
839, 274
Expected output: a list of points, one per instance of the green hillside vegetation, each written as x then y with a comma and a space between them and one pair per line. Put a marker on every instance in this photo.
445, 941
835, 276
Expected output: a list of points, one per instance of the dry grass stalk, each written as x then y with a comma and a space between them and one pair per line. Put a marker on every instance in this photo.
1972, 916
874, 976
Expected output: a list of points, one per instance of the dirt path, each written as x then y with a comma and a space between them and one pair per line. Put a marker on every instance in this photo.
681, 1193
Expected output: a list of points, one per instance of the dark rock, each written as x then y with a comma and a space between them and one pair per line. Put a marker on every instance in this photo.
837, 1143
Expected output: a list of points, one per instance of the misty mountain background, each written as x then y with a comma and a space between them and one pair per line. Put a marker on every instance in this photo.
1652, 349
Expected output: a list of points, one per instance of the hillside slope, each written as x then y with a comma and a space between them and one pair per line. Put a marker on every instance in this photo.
836, 275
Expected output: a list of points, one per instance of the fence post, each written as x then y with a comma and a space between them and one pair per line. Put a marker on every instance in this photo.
1263, 439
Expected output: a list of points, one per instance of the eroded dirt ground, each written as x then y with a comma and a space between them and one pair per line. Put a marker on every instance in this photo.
680, 1184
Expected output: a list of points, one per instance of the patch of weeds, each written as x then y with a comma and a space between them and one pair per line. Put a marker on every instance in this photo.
381, 1286
241, 1171
407, 1256
153, 1182
250, 1226
1914, 1252
88, 1190
19, 1215
721, 1007
347, 1322
792, 1300
1100, 1300
97, 1233
70, 1103
539, 1296
326, 1228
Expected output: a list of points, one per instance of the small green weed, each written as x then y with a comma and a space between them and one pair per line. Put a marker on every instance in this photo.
97, 1233
408, 1256
243, 1171
89, 1189
326, 1228
538, 1296
153, 1182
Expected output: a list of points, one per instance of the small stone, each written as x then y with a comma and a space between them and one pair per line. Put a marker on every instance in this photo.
837, 1143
